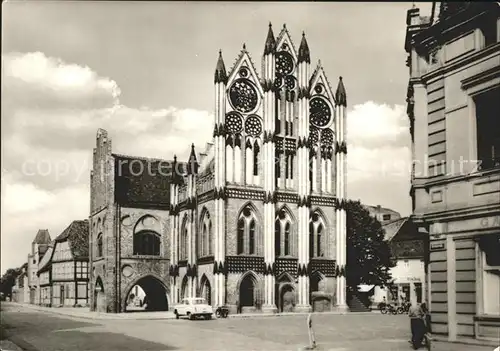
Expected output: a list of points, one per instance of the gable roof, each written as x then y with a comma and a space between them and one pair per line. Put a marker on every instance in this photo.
77, 235
392, 228
46, 260
42, 237
149, 187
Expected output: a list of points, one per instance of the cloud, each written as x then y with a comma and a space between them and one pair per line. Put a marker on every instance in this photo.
51, 117
42, 82
377, 125
379, 155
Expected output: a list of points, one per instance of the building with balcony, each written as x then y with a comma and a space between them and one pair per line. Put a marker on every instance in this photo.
453, 94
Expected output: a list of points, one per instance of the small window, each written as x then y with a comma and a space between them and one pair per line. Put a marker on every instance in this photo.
386, 217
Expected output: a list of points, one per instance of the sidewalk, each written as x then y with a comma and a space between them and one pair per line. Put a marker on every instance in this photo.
83, 312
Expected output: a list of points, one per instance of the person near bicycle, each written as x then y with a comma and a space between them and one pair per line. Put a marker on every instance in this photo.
417, 325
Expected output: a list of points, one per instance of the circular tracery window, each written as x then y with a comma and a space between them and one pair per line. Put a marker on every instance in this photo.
320, 112
290, 82
243, 96
279, 82
253, 126
327, 137
284, 63
234, 122
313, 135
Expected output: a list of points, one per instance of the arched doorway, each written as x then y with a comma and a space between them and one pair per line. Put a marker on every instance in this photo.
287, 298
205, 290
155, 292
247, 291
319, 300
99, 304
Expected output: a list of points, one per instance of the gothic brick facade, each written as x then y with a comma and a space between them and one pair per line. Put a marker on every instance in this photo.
255, 221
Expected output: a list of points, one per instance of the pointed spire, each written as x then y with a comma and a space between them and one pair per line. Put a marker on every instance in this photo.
176, 176
340, 94
270, 46
304, 54
220, 70
192, 166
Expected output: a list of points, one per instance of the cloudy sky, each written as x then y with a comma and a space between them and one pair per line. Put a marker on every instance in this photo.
144, 71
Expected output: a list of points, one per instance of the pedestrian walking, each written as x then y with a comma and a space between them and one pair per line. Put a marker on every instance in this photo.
417, 325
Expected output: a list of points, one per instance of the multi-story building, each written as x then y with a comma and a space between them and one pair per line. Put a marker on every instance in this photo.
383, 214
256, 221
38, 248
453, 94
408, 249
64, 268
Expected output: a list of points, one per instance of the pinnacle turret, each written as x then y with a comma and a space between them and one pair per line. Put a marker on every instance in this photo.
304, 54
220, 70
176, 177
270, 46
192, 164
340, 94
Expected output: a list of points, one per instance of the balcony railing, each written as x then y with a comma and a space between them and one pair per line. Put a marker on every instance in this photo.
489, 163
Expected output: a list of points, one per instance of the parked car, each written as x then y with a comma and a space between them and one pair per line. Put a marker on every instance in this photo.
193, 307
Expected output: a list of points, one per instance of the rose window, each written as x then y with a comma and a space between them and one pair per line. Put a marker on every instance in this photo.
284, 63
234, 122
313, 135
243, 96
318, 88
320, 112
278, 82
327, 137
253, 126
290, 82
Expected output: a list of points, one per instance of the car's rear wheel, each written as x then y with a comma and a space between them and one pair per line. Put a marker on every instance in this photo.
190, 316
176, 314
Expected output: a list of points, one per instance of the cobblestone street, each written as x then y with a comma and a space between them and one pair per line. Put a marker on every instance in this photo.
38, 330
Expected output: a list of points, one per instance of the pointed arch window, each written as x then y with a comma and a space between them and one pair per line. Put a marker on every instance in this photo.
247, 232
283, 233
256, 151
287, 239
210, 239
277, 238
147, 243
205, 241
241, 236
319, 251
251, 238
184, 240
317, 238
99, 246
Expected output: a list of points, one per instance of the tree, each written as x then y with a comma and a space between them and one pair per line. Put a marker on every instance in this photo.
8, 280
369, 257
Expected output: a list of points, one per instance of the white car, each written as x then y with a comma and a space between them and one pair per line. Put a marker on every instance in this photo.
193, 307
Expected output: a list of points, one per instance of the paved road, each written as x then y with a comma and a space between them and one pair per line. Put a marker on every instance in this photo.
35, 330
